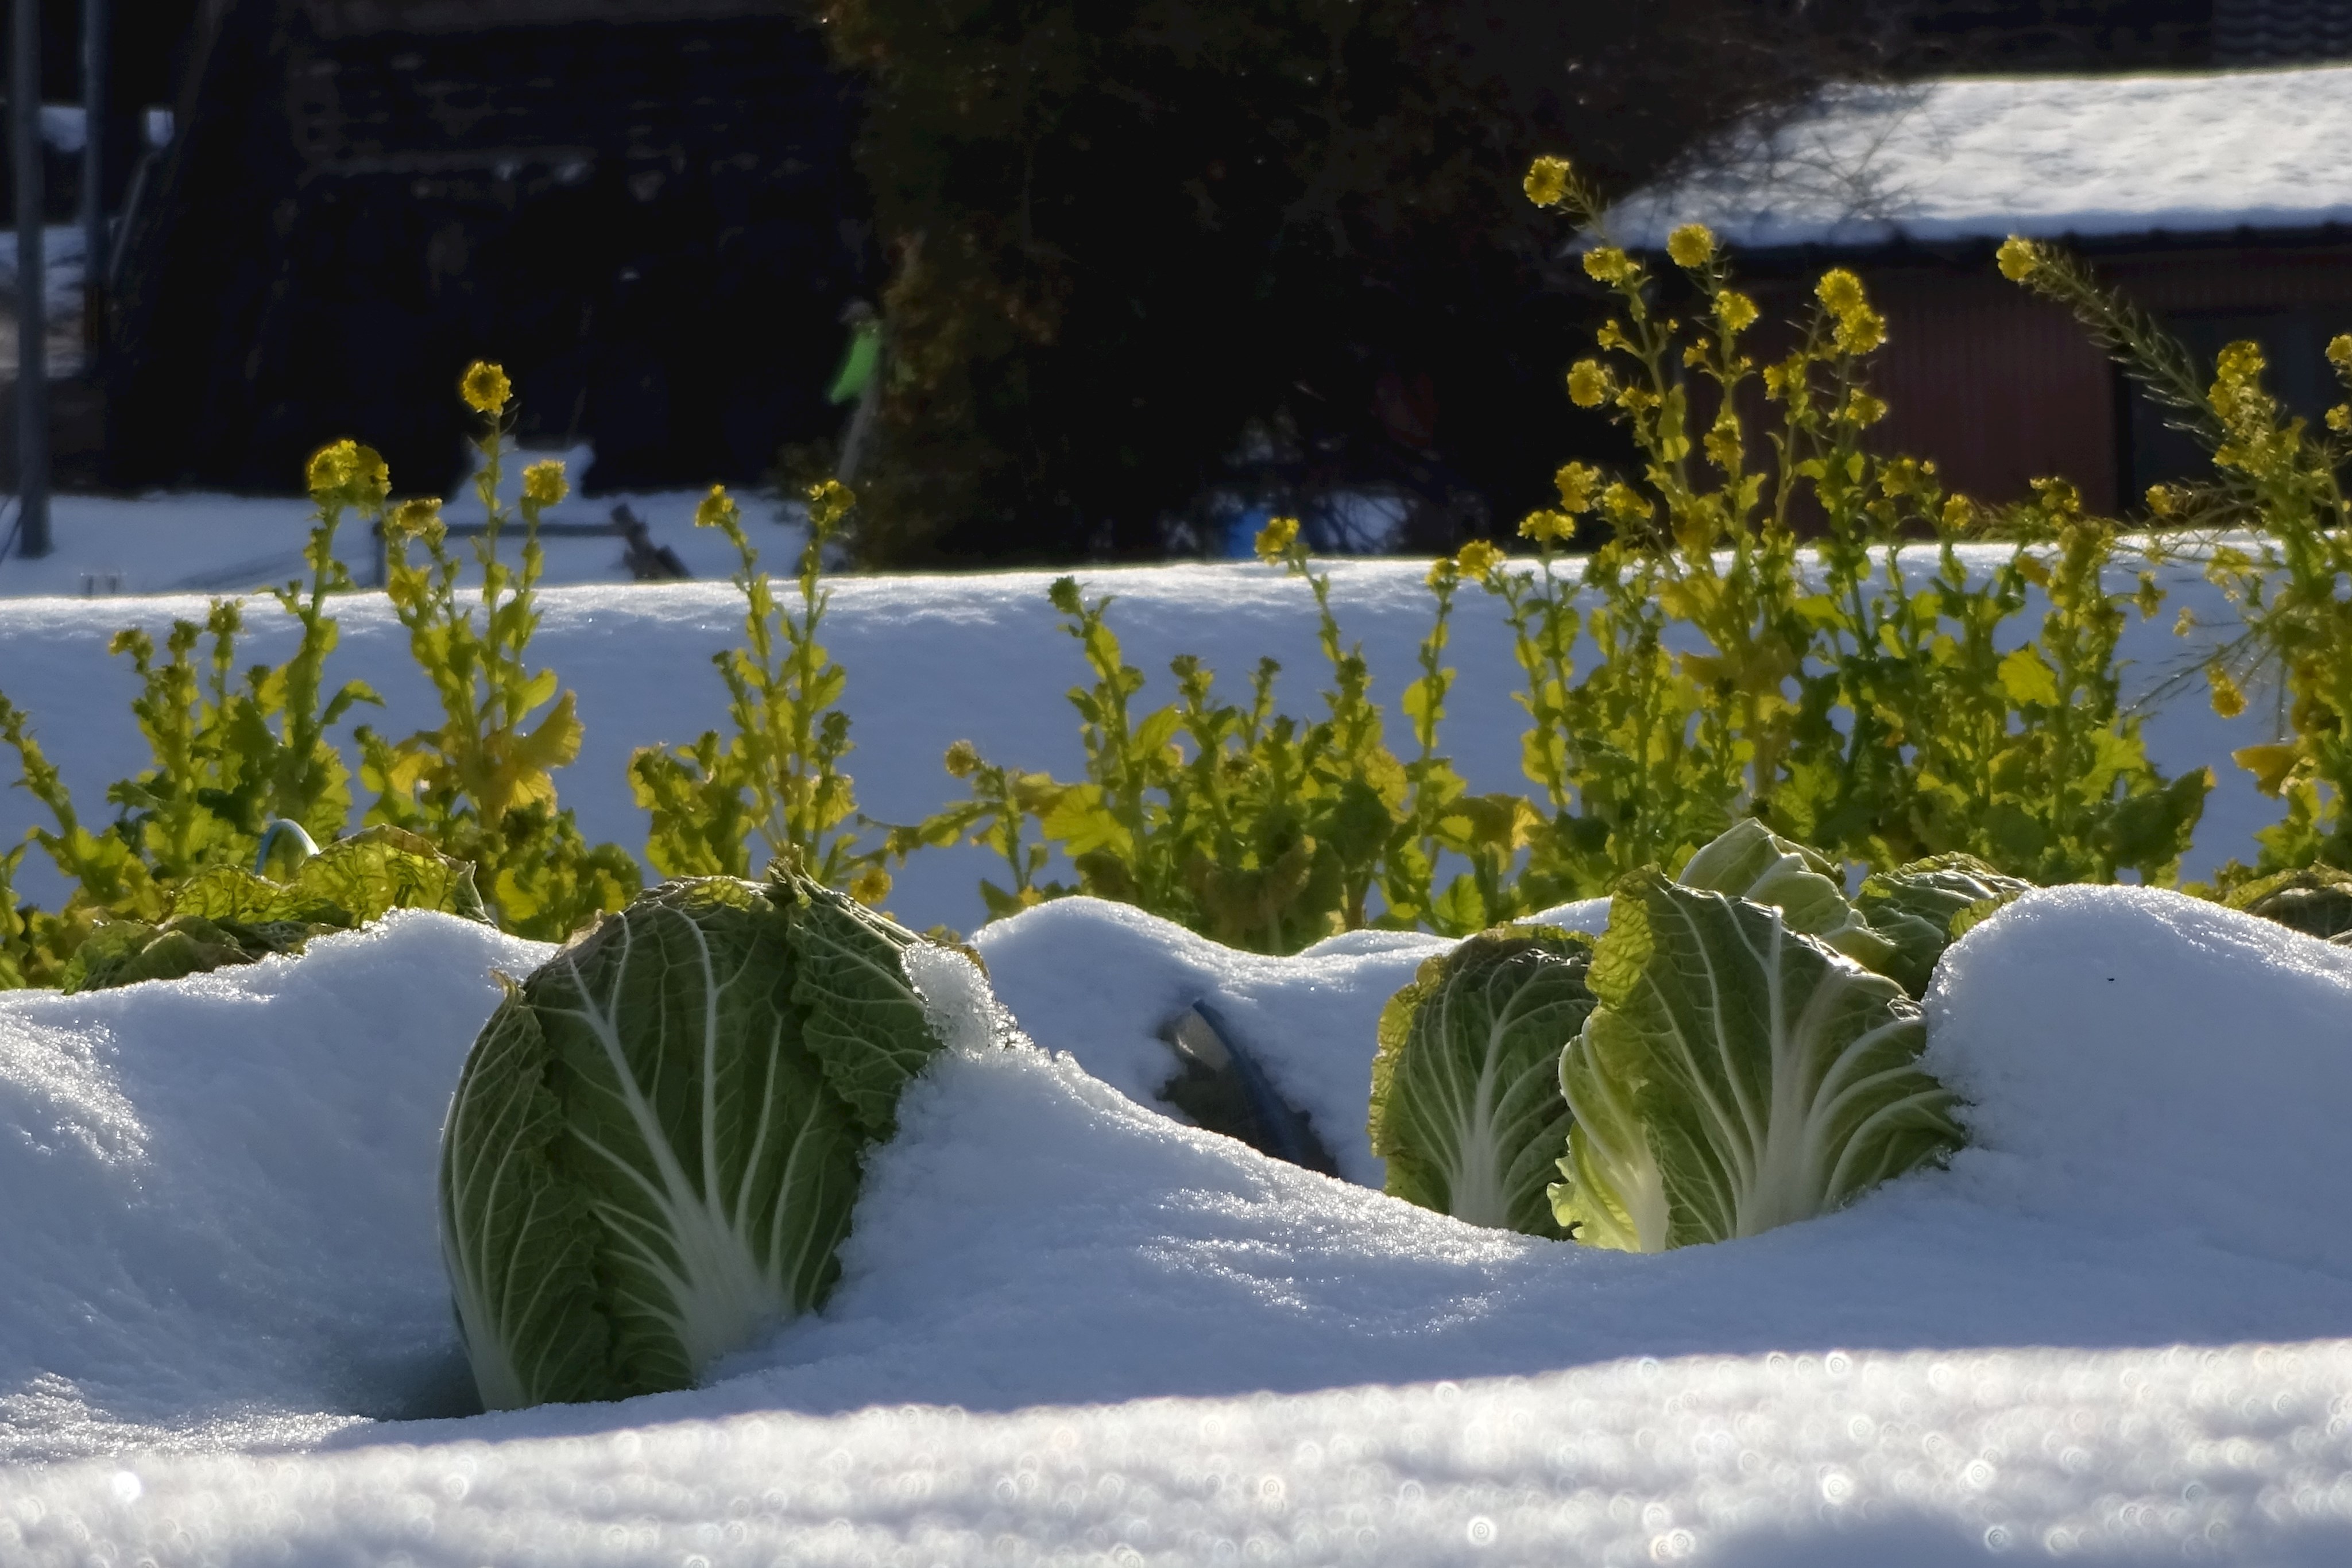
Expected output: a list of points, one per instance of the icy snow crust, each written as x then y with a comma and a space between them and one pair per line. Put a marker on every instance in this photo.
2049, 156
1071, 1328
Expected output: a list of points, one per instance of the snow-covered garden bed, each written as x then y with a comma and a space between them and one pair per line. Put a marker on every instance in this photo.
1070, 1327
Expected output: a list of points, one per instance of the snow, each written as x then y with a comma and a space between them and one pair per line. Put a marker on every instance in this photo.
1071, 1328
2045, 156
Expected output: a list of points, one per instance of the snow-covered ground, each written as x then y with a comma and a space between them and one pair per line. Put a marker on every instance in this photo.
1072, 1330
107, 546
2047, 156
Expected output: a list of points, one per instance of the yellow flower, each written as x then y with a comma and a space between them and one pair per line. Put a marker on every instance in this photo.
1547, 182
1693, 244
2239, 362
1859, 330
1861, 408
1624, 503
1613, 336
1735, 310
1275, 539
1576, 482
1443, 573
419, 519
829, 503
1959, 511
713, 510
2161, 500
1477, 559
2339, 351
2019, 258
485, 388
962, 759
2185, 623
543, 483
1548, 527
330, 467
870, 886
2339, 418
1607, 263
1588, 383
2228, 700
349, 474
1840, 290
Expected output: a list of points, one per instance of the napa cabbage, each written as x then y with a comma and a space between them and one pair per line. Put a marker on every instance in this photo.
656, 1144
1736, 1075
1465, 1105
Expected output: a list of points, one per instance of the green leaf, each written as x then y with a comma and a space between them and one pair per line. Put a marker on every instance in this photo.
654, 1147
1913, 907
1466, 1104
2027, 679
1736, 1076
2316, 900
1749, 861
125, 952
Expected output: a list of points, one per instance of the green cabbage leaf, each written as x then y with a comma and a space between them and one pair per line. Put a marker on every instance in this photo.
226, 915
656, 1144
1749, 861
1467, 1106
1737, 1075
1923, 907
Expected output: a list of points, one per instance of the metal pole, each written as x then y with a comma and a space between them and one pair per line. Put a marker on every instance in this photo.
94, 237
32, 313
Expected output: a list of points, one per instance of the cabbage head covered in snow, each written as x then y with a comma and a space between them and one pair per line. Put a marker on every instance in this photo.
1737, 1075
655, 1146
1466, 1107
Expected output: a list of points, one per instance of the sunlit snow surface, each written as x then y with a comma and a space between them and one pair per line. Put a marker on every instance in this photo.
2050, 156
1072, 1330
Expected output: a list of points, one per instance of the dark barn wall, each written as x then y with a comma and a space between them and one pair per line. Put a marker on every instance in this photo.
644, 208
2001, 388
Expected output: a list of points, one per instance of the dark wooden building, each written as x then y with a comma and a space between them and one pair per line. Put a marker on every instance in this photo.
2219, 200
642, 208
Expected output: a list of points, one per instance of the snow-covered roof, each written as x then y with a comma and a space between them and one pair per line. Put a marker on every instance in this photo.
2043, 156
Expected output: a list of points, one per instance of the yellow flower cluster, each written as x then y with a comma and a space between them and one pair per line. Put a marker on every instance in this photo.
2339, 351
962, 759
1275, 540
829, 503
1863, 408
870, 886
713, 510
1693, 245
2019, 258
1859, 328
485, 388
543, 483
1607, 263
1624, 503
1477, 559
1588, 383
1735, 311
1548, 528
1576, 482
2228, 700
419, 520
348, 474
1547, 182
2161, 500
